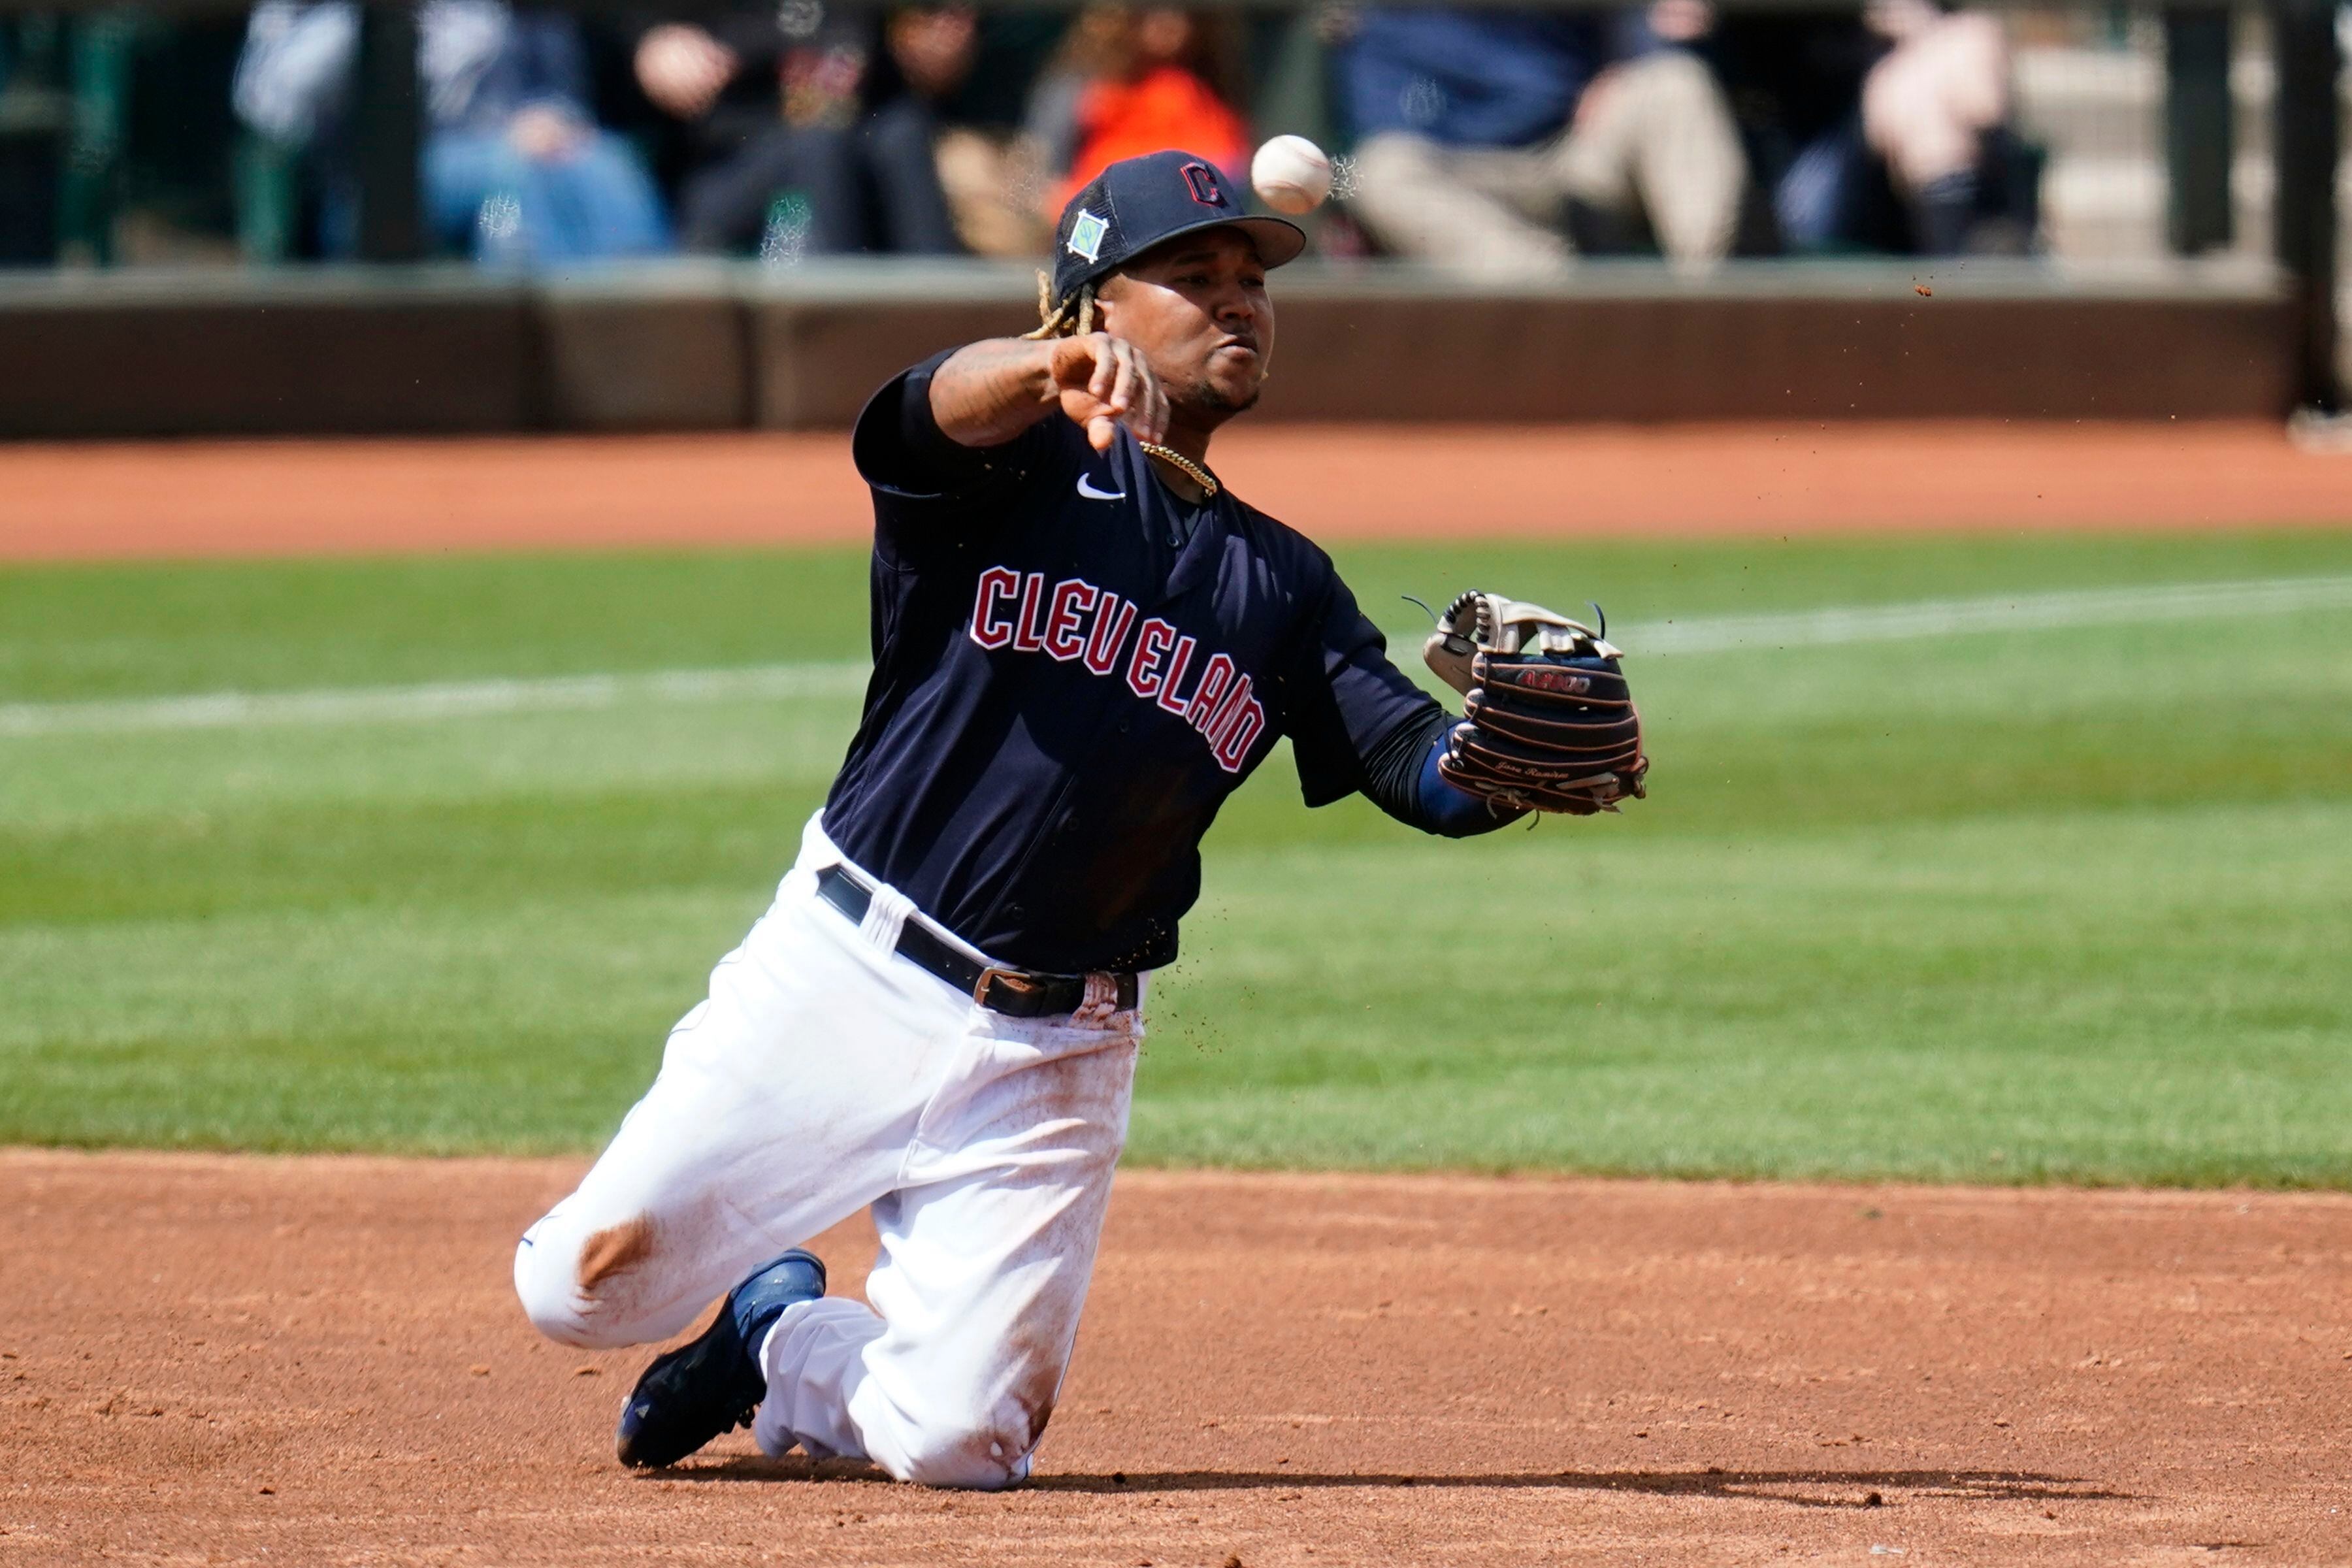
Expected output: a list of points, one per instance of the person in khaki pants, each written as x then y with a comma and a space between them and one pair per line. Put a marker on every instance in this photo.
1476, 129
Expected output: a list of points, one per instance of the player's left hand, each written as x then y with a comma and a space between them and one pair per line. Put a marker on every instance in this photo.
1552, 722
1104, 382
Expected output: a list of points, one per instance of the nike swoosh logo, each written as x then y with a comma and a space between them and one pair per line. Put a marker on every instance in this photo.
1086, 489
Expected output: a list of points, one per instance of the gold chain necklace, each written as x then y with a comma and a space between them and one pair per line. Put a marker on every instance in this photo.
1197, 474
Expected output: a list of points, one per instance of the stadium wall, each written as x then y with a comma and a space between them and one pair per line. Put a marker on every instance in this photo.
428, 351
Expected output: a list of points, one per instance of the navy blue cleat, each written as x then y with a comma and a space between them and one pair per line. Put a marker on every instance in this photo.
712, 1385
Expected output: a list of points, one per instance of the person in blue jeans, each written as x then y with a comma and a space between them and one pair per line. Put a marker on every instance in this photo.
514, 168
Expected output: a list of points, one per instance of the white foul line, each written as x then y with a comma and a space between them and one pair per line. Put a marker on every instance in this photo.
1803, 628
2022, 613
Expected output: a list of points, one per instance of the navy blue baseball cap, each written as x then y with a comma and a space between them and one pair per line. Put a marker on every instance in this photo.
1138, 202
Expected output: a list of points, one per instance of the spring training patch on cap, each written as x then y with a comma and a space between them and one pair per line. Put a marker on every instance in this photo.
1086, 236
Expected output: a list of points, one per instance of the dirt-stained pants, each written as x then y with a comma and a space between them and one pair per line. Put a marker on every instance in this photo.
825, 1073
1654, 136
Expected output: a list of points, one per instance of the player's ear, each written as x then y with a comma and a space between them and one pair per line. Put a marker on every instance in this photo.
1108, 293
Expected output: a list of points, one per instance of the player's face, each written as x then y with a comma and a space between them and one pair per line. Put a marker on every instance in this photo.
1197, 307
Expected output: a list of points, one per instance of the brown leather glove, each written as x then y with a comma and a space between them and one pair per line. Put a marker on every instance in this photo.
1552, 722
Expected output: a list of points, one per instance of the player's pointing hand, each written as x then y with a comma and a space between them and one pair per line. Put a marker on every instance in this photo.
1104, 382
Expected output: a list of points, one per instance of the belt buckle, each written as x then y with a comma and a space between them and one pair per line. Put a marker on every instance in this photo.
990, 976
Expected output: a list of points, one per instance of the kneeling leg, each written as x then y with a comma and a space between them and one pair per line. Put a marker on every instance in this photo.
950, 1378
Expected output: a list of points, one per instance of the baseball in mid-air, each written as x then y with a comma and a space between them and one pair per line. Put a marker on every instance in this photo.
1291, 174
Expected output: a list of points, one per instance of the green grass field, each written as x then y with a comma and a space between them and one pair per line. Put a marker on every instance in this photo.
2061, 903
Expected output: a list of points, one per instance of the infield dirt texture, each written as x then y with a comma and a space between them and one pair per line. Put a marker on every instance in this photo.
1978, 853
220, 1360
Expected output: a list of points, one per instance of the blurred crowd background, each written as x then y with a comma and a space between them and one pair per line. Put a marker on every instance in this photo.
1500, 142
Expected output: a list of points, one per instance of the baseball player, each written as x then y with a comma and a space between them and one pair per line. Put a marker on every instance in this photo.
1083, 643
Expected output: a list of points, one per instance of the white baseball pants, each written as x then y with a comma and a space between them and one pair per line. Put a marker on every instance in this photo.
825, 1074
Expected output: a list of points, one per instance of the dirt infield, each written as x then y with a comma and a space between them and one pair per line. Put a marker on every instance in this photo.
100, 501
234, 1358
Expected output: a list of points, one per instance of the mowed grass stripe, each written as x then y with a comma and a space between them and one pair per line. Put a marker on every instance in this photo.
92, 633
1831, 626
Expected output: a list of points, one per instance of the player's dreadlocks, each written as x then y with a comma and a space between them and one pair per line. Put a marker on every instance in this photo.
1073, 317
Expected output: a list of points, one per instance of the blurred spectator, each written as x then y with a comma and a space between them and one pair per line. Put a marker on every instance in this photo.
808, 136
1501, 142
515, 168
1928, 109
1883, 128
992, 169
1130, 82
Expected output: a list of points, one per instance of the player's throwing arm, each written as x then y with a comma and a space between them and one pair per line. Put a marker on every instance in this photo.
989, 392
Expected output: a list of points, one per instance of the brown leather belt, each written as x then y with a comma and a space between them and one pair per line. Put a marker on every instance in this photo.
1015, 993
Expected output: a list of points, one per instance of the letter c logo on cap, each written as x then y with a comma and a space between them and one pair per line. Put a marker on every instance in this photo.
1202, 181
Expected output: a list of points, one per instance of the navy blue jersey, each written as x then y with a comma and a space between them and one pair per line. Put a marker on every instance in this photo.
1072, 668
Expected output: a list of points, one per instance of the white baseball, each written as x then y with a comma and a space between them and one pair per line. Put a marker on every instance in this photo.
1291, 174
